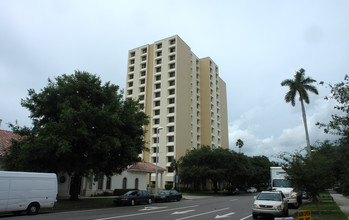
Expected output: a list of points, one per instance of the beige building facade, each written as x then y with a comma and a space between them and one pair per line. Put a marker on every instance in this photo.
181, 93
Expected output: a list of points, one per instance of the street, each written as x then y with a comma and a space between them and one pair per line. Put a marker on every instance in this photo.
215, 207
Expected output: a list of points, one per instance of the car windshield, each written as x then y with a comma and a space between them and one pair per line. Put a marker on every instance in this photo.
281, 183
269, 196
165, 193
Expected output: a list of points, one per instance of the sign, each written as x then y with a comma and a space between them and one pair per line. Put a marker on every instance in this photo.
304, 215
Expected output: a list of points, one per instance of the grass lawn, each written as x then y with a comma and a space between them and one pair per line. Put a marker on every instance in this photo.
328, 208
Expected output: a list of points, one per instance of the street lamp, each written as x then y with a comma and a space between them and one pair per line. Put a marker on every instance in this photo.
156, 164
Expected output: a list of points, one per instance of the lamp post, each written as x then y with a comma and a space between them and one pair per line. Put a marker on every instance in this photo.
156, 164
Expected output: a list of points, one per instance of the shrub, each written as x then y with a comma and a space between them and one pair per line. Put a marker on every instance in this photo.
168, 186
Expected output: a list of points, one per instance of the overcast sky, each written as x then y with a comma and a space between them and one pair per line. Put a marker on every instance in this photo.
256, 44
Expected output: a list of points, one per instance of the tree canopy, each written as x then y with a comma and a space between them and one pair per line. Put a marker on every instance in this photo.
80, 127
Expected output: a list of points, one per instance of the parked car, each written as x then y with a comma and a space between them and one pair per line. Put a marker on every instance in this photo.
251, 190
270, 203
236, 191
134, 197
168, 195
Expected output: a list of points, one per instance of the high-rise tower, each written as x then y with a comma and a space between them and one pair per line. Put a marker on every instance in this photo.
181, 93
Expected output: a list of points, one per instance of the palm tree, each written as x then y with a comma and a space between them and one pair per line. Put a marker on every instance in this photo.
239, 143
300, 85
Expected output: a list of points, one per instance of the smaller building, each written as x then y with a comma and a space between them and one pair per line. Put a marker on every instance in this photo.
6, 138
137, 176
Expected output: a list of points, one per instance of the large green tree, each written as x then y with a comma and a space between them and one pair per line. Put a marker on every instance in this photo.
300, 85
80, 127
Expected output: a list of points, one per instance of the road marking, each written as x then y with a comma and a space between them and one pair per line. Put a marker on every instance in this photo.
151, 208
225, 216
205, 213
246, 217
233, 200
182, 212
145, 213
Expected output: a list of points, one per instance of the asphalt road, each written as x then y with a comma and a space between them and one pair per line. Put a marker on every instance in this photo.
215, 207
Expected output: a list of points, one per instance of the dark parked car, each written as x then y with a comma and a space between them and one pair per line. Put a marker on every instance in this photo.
134, 197
168, 195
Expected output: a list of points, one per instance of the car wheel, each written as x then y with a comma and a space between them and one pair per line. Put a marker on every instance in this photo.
150, 201
133, 202
33, 209
254, 216
167, 199
178, 199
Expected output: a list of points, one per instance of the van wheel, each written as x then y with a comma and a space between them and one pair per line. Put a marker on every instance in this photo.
33, 209
133, 202
255, 216
150, 201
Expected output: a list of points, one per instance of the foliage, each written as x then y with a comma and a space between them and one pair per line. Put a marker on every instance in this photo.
80, 127
168, 186
313, 173
219, 166
239, 143
339, 125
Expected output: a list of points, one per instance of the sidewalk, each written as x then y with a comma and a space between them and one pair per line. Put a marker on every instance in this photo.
342, 202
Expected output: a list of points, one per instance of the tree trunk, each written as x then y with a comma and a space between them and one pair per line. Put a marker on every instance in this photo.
75, 187
305, 126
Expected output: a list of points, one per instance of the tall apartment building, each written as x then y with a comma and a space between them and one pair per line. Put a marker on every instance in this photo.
181, 93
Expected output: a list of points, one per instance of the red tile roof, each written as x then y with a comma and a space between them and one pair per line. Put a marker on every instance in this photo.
146, 167
5, 140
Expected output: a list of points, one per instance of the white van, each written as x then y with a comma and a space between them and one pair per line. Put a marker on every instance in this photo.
27, 191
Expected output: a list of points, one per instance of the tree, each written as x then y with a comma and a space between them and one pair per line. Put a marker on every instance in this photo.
313, 174
80, 127
339, 125
239, 143
300, 85
174, 165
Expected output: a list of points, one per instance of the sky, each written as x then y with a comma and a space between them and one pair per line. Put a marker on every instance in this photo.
256, 44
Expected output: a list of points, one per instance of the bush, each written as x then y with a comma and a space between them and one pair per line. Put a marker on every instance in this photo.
168, 186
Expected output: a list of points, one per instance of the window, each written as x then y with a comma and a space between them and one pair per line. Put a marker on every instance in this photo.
172, 83
157, 121
141, 97
170, 159
143, 65
141, 89
172, 49
142, 81
157, 112
170, 119
124, 183
154, 149
132, 54
132, 69
129, 92
170, 170
100, 183
159, 54
130, 76
144, 58
172, 57
158, 61
144, 50
173, 41
172, 66
132, 61
108, 183
143, 73
154, 159
155, 140
159, 46
171, 129
157, 94
172, 74
141, 106
170, 148
158, 69
171, 101
157, 86
157, 78
171, 110
157, 103
171, 92
130, 84
170, 139
136, 183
